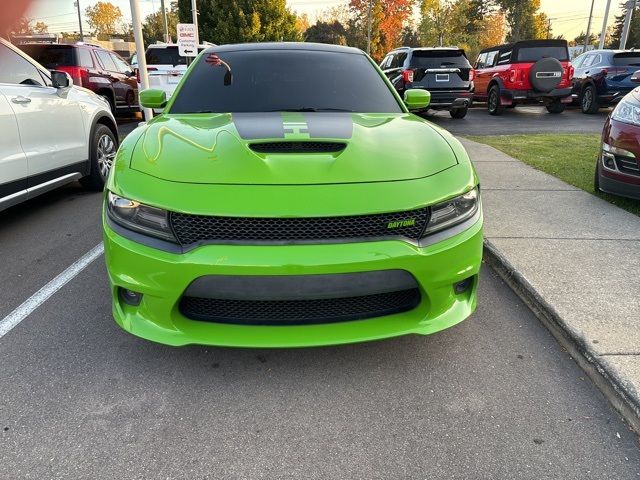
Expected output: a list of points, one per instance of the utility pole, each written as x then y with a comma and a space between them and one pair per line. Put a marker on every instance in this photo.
548, 28
167, 38
603, 34
627, 24
369, 29
77, 5
194, 12
142, 60
586, 38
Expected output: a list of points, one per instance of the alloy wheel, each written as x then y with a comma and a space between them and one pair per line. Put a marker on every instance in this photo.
106, 154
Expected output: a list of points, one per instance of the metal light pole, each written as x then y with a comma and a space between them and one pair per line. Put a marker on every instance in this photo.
142, 61
77, 4
603, 34
586, 38
167, 38
368, 28
194, 12
627, 24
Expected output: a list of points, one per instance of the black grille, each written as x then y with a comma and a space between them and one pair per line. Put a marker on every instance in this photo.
191, 229
298, 312
297, 147
628, 165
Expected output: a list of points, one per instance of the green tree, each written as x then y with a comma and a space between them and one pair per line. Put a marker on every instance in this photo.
153, 26
524, 20
322, 32
633, 41
104, 18
236, 21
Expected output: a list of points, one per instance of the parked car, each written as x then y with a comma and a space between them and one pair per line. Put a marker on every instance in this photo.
92, 67
444, 72
618, 166
165, 66
603, 77
531, 71
52, 132
296, 202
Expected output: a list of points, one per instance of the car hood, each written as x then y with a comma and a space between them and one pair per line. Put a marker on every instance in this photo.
229, 148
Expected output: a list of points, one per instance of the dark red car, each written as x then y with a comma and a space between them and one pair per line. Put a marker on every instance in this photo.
530, 71
92, 67
618, 167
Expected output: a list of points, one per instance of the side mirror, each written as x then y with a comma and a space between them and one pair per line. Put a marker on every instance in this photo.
635, 78
417, 99
153, 98
60, 79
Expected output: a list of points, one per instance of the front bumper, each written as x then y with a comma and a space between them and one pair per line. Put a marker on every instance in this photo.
162, 277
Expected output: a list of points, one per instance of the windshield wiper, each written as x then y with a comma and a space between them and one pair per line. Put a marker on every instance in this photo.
310, 109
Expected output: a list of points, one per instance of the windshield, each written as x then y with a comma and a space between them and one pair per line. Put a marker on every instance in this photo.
437, 59
284, 80
627, 59
165, 56
50, 56
533, 54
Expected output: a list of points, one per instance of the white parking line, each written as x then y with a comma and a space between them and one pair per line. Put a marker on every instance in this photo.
41, 296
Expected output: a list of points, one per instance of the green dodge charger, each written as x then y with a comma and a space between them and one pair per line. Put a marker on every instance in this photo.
287, 197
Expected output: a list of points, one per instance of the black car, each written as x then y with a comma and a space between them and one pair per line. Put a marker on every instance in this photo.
603, 77
444, 71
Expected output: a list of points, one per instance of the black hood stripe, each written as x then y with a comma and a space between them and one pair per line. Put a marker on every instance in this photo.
255, 126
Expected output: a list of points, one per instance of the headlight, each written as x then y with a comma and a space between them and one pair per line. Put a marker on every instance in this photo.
453, 211
138, 217
627, 112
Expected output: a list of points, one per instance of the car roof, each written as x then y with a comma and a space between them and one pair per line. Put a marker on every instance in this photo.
413, 49
526, 43
309, 46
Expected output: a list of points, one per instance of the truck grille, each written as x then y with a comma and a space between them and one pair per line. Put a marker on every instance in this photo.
190, 229
298, 312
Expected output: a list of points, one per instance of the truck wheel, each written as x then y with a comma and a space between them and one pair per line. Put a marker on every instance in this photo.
458, 112
589, 100
493, 102
556, 106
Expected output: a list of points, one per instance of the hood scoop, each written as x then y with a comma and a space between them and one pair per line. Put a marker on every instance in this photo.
297, 147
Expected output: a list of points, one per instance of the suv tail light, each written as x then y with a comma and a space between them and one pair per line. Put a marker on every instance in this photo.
613, 72
149, 69
407, 76
79, 75
472, 74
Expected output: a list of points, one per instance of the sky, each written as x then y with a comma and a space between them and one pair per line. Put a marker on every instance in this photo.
568, 17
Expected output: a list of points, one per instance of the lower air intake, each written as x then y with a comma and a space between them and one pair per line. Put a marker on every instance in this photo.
298, 312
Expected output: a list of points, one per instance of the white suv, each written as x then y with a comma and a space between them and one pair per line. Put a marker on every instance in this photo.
166, 67
51, 132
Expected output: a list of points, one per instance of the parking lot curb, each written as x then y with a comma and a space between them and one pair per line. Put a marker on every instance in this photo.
622, 396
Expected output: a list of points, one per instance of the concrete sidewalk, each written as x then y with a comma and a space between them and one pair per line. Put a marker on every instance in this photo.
575, 259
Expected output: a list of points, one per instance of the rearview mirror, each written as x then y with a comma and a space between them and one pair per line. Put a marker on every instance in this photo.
635, 78
60, 79
153, 98
417, 99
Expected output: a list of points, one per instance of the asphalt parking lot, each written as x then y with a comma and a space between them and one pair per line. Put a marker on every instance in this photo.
520, 120
494, 397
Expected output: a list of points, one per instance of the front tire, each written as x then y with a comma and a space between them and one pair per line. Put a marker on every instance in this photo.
556, 106
458, 112
589, 102
494, 106
103, 152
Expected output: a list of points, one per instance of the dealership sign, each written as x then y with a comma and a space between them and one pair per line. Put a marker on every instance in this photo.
187, 46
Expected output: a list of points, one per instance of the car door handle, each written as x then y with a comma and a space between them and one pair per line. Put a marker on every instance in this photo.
21, 99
